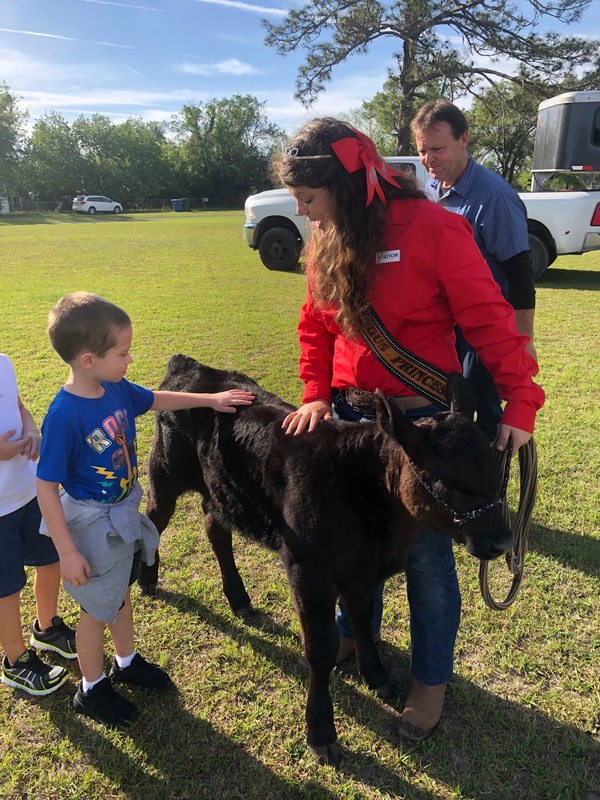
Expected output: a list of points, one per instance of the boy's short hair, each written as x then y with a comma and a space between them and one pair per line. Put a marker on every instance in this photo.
83, 322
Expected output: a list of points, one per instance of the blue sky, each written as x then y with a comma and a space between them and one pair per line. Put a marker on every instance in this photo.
146, 58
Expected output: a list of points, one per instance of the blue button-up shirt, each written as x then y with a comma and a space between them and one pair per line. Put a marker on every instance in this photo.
496, 212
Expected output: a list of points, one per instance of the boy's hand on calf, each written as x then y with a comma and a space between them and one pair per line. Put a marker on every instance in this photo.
226, 402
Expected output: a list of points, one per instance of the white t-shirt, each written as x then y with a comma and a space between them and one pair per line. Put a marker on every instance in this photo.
17, 476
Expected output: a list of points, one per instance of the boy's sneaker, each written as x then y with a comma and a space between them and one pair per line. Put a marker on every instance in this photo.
103, 704
30, 674
141, 673
59, 638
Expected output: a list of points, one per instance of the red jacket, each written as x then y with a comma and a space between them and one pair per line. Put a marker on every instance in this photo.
431, 276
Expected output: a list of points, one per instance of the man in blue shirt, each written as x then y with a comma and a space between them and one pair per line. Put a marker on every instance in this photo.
499, 221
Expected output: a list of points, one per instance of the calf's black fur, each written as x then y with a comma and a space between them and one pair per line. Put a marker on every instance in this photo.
342, 506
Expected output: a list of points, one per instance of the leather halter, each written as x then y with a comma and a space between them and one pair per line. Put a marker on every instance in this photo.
461, 518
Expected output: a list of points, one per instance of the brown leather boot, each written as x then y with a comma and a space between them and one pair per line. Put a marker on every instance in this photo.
422, 711
346, 649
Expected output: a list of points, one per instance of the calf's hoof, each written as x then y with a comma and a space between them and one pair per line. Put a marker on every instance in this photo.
245, 611
387, 693
327, 754
147, 589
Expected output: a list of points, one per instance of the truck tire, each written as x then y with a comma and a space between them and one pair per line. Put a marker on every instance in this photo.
540, 257
279, 249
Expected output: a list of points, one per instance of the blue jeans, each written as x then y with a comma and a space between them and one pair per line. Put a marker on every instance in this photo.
432, 589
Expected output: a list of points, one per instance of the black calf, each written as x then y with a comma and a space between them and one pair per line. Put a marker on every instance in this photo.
341, 505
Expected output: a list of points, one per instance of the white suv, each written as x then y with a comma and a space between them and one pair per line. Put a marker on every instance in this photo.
90, 204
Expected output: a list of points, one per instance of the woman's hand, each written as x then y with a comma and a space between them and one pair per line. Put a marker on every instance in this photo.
307, 417
519, 438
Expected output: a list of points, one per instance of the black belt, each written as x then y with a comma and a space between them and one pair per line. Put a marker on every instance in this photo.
363, 402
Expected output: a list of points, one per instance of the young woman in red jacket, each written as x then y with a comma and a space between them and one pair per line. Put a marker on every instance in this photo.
377, 240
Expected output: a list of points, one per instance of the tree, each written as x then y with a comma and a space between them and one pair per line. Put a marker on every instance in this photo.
426, 31
141, 152
227, 146
11, 136
129, 161
502, 125
381, 112
98, 144
52, 166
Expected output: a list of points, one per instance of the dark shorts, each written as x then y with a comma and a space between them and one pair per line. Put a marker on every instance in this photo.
22, 544
135, 567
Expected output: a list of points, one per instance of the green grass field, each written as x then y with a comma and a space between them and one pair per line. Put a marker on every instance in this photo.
522, 719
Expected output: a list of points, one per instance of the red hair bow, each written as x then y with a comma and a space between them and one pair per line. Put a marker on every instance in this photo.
361, 152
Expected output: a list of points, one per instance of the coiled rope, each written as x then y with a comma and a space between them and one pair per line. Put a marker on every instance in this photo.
515, 558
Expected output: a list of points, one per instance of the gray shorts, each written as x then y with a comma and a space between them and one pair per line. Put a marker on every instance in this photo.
108, 536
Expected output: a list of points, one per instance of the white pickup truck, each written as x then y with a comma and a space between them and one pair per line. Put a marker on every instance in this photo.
567, 141
559, 222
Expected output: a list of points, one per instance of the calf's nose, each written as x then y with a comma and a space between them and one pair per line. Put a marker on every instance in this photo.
486, 548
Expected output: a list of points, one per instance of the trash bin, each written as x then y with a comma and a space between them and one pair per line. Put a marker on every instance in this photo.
180, 204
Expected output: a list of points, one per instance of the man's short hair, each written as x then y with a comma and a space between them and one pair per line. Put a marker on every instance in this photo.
436, 111
83, 322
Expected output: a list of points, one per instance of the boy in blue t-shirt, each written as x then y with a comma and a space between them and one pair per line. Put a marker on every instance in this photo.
89, 447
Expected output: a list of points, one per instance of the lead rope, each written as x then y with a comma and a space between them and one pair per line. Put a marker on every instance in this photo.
515, 558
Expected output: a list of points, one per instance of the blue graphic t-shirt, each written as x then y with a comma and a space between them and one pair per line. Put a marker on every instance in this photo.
89, 445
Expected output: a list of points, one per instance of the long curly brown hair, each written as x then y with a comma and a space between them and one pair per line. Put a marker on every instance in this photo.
342, 255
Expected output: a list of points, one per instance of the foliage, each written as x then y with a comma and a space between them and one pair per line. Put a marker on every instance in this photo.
226, 147
426, 32
11, 133
521, 719
502, 123
127, 161
52, 166
222, 151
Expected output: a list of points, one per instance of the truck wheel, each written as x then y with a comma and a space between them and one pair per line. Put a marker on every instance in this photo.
540, 257
279, 249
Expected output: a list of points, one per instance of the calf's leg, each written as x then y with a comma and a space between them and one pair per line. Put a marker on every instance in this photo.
314, 599
233, 585
360, 610
160, 507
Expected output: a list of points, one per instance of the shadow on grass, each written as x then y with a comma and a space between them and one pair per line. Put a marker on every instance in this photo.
480, 740
182, 757
493, 747
578, 552
583, 279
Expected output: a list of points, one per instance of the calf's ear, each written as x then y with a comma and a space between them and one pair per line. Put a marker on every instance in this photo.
461, 396
399, 427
